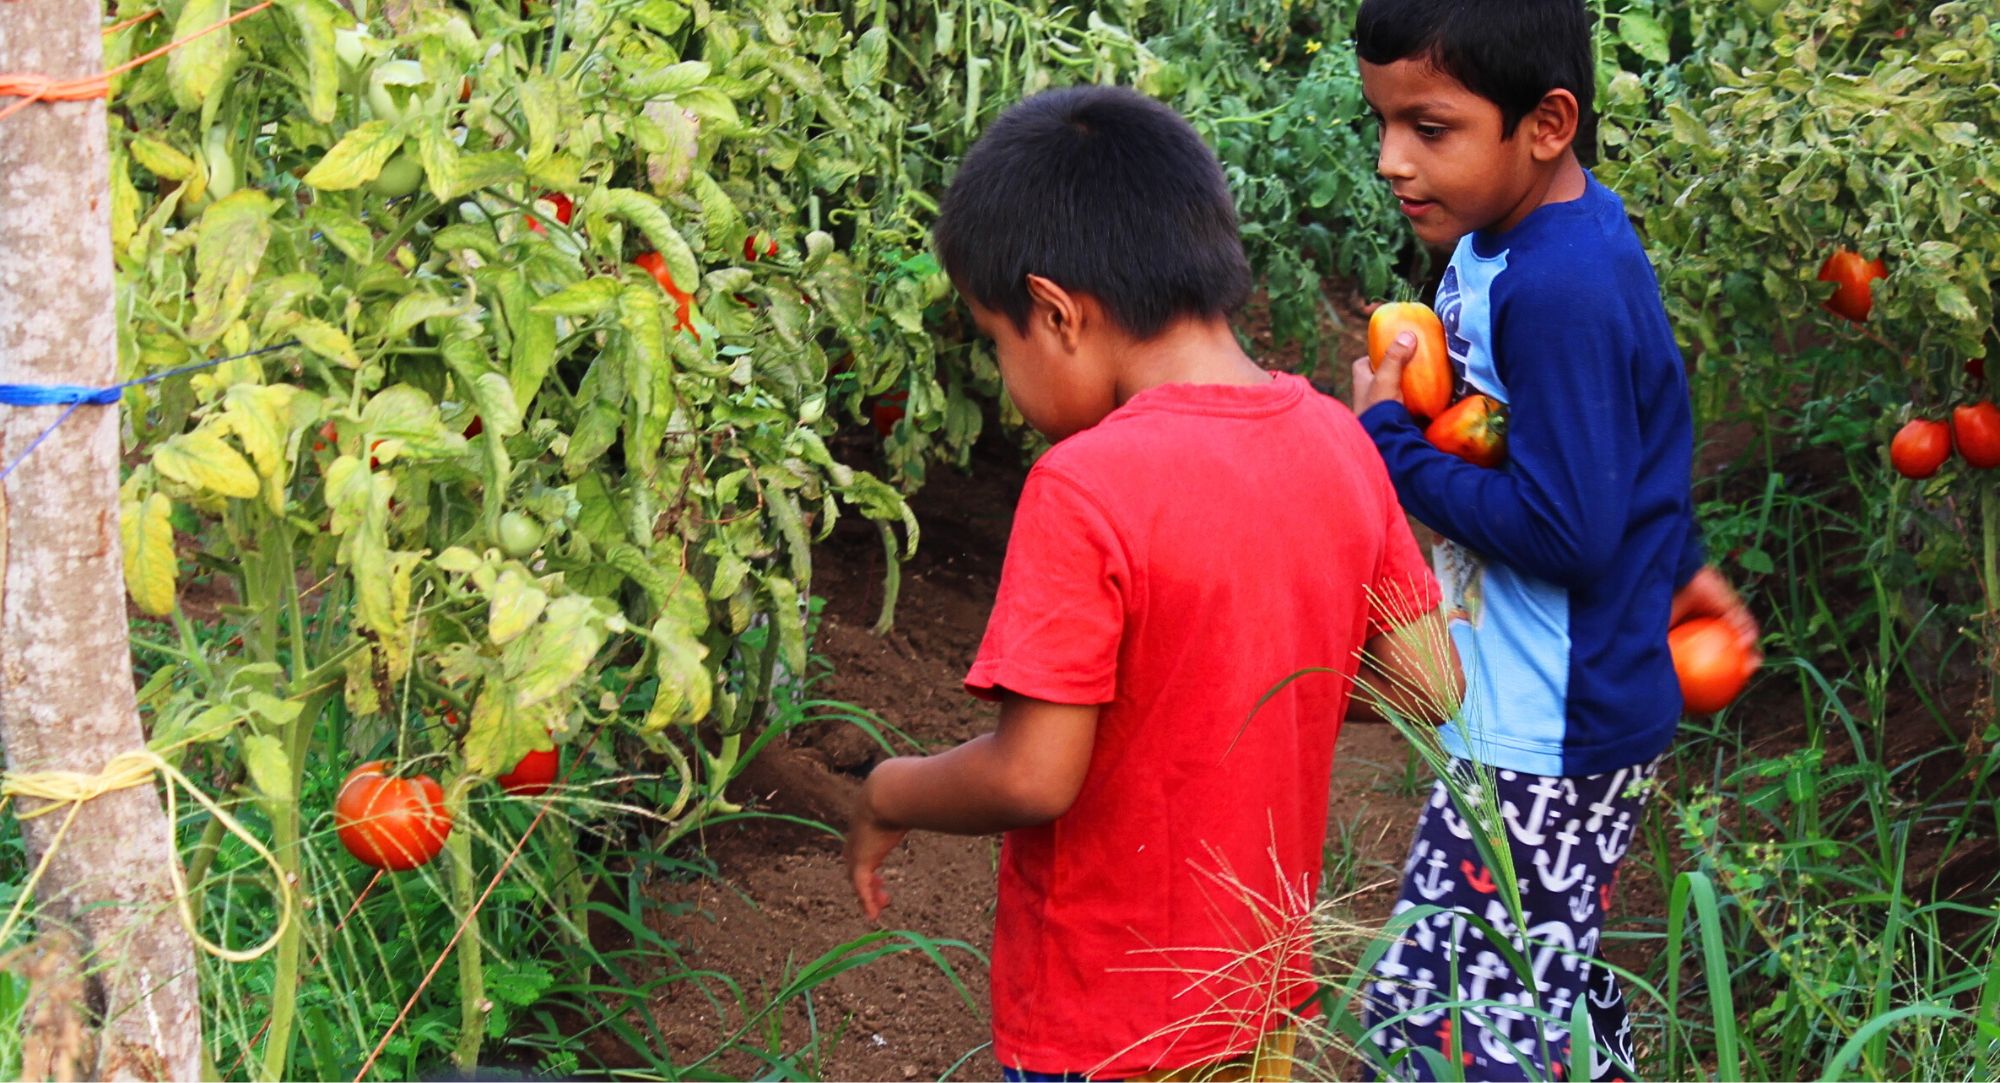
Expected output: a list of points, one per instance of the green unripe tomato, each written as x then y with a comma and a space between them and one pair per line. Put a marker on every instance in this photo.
399, 177
520, 534
399, 88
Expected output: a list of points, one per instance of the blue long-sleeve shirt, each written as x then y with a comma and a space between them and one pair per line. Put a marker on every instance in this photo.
1560, 566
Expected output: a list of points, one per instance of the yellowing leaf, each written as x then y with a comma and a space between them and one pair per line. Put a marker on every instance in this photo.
148, 542
194, 67
327, 341
357, 158
234, 233
202, 460
269, 766
516, 604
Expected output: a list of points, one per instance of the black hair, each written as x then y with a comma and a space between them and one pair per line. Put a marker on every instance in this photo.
1510, 52
1103, 191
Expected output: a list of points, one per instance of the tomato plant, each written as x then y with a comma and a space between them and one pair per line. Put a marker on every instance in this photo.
1920, 448
391, 823
562, 207
1975, 431
1712, 662
1427, 376
1853, 278
1474, 429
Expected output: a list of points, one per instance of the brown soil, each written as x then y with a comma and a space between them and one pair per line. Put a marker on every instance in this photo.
780, 900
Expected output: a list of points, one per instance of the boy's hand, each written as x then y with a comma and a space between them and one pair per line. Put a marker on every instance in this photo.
1375, 386
1709, 594
869, 841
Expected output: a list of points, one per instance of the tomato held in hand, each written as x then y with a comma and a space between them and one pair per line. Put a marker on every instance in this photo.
1853, 294
1474, 429
1976, 431
1920, 447
534, 774
1427, 378
390, 823
1712, 662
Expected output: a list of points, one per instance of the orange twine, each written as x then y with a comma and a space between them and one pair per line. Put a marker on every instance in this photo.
32, 87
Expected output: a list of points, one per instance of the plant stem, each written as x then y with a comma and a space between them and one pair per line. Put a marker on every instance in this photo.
471, 965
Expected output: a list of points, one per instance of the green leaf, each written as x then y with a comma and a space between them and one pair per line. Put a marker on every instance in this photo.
513, 606
201, 460
316, 20
1644, 35
497, 409
541, 106
269, 767
161, 159
357, 158
645, 213
327, 341
147, 532
235, 230
670, 80
500, 731
417, 308
556, 652
586, 298
350, 235
863, 66
194, 67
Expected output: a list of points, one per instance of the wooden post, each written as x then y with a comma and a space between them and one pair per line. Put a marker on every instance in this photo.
66, 695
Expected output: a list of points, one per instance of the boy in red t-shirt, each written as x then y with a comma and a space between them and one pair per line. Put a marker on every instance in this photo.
1202, 532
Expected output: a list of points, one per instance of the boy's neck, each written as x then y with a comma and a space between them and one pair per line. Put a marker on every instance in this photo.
1192, 351
1563, 181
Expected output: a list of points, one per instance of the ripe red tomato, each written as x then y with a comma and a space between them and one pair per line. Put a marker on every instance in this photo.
1975, 369
561, 205
750, 248
534, 774
1475, 429
476, 427
1712, 662
1920, 447
327, 435
656, 265
1976, 431
888, 411
373, 462
1427, 378
1853, 296
390, 823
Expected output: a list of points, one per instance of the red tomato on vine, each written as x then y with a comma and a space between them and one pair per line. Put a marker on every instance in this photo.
1920, 448
888, 411
390, 823
1853, 278
1976, 430
534, 774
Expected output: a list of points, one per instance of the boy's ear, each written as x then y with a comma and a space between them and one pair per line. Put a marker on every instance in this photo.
1056, 311
1553, 125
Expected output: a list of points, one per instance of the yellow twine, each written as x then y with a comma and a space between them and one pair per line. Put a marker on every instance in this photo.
126, 770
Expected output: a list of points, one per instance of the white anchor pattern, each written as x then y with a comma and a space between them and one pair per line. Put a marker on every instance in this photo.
1568, 836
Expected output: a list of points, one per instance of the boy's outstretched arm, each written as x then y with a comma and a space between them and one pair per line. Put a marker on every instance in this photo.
1026, 772
1412, 670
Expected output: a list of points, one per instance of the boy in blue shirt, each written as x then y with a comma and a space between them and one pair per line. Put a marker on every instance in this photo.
1564, 568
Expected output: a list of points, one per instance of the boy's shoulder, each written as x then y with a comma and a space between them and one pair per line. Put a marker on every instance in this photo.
1581, 253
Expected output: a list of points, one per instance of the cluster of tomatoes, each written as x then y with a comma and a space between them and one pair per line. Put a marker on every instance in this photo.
1924, 444
400, 823
1474, 427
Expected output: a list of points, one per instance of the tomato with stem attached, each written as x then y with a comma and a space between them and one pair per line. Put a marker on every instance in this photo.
1853, 278
1975, 429
656, 265
1427, 376
390, 823
1712, 662
1474, 429
1920, 448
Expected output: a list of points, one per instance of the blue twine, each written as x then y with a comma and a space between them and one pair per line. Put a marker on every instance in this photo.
77, 397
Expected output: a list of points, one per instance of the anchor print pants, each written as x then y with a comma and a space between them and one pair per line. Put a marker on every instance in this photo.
1568, 835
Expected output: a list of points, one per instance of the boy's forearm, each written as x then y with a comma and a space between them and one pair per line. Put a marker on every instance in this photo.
962, 791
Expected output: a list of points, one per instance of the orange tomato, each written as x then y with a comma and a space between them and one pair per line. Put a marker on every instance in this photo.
1712, 662
1474, 429
390, 823
1427, 378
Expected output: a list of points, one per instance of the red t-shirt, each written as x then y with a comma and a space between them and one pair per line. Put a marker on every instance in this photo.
1176, 563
